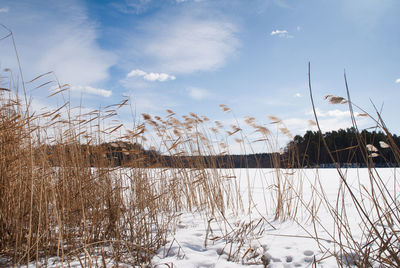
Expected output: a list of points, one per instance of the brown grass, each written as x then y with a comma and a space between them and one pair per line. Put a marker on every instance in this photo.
73, 202
375, 203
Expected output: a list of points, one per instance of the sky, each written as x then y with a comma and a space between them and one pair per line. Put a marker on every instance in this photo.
192, 55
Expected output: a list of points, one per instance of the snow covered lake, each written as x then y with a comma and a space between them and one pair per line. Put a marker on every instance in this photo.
285, 218
302, 235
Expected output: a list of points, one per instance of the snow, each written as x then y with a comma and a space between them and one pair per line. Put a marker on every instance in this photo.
253, 236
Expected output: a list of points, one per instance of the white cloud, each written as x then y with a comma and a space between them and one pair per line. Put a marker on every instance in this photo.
162, 77
327, 123
338, 113
188, 43
398, 80
138, 4
330, 113
136, 72
198, 93
92, 91
297, 95
133, 6
328, 120
297, 125
158, 77
335, 123
66, 46
4, 10
282, 33
279, 32
298, 28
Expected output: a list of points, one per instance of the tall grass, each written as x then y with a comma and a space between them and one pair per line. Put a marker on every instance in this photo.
60, 197
375, 202
63, 195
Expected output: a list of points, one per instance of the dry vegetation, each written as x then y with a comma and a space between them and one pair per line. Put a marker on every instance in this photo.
376, 203
72, 211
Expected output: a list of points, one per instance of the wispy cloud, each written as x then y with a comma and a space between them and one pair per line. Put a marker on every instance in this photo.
161, 77
134, 6
198, 93
282, 34
68, 47
330, 113
187, 43
279, 32
4, 10
398, 80
328, 120
91, 90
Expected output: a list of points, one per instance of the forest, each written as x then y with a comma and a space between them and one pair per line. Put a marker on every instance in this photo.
345, 148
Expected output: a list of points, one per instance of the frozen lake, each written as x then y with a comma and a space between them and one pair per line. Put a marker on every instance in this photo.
316, 209
278, 218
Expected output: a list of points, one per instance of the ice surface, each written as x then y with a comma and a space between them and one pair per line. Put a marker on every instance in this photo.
254, 237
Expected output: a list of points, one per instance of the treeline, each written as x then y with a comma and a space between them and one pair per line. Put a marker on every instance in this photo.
346, 147
262, 160
125, 154
110, 154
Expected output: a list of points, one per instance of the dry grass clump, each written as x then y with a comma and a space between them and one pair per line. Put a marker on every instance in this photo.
375, 202
56, 204
63, 196
183, 143
69, 194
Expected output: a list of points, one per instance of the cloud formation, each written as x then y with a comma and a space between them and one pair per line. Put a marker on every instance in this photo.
398, 80
161, 77
189, 43
281, 33
133, 6
67, 46
328, 120
92, 91
4, 10
331, 113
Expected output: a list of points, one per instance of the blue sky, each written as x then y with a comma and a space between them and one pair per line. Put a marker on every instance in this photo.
191, 55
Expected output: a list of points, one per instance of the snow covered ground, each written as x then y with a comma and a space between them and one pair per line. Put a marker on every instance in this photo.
257, 239
259, 235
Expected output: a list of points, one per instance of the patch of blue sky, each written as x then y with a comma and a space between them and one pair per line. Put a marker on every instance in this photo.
250, 55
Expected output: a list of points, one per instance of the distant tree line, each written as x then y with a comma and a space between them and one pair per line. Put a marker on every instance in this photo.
109, 154
119, 153
347, 147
